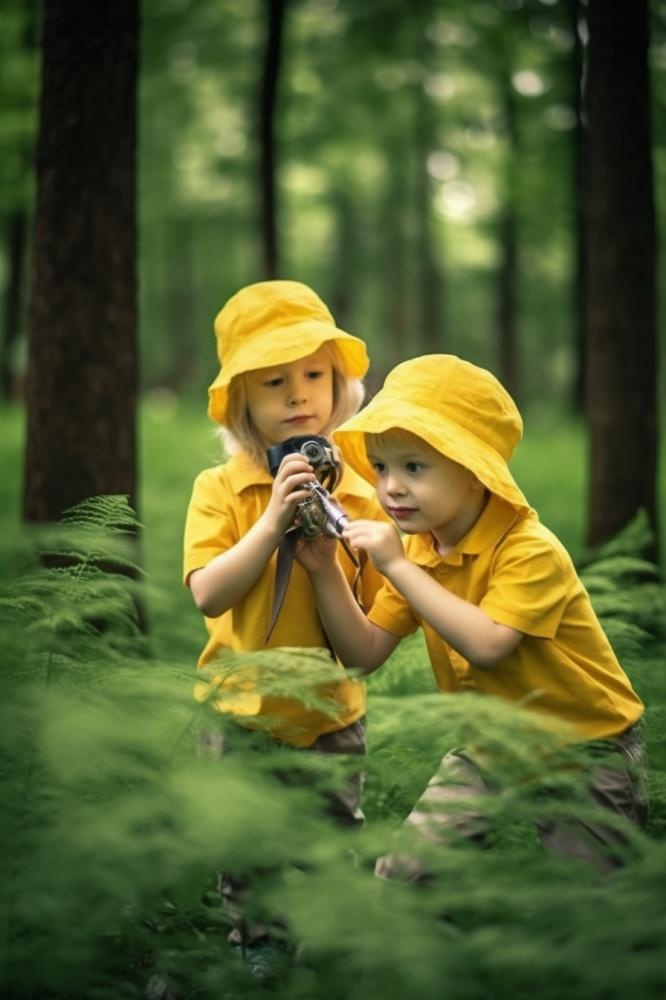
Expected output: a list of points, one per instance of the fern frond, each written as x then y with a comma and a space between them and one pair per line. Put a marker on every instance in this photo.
636, 537
622, 568
107, 512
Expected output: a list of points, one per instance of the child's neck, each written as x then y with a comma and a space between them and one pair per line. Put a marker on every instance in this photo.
447, 537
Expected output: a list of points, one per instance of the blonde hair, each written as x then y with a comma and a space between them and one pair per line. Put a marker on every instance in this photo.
239, 432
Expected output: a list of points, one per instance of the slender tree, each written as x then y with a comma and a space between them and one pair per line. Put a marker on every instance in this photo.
17, 221
507, 272
16, 231
268, 99
574, 16
431, 335
621, 302
82, 314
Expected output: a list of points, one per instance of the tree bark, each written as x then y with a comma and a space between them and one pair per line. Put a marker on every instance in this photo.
621, 386
17, 231
578, 282
347, 265
507, 274
82, 312
429, 282
269, 88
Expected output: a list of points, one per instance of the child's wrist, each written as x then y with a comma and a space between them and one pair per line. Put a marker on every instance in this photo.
393, 567
270, 529
324, 571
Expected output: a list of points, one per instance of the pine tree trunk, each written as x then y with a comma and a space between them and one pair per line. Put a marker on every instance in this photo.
17, 226
620, 320
82, 313
347, 254
16, 230
180, 302
578, 280
507, 275
269, 88
430, 331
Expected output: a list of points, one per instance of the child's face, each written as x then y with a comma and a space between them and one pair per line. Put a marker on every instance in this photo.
292, 398
422, 490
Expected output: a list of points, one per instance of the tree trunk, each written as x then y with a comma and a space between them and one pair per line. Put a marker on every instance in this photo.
430, 328
181, 305
507, 275
269, 88
392, 224
575, 14
347, 264
17, 226
16, 231
82, 313
621, 324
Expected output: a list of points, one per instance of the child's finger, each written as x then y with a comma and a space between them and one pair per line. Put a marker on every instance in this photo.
295, 480
292, 461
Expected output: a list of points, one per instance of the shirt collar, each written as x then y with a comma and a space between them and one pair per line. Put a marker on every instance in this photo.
494, 521
244, 472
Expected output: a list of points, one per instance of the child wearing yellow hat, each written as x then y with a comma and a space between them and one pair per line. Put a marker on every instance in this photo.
286, 370
500, 603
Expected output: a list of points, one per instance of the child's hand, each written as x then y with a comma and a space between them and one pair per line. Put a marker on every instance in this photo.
379, 539
294, 471
316, 555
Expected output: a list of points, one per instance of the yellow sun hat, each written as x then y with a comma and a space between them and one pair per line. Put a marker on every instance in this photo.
270, 323
459, 409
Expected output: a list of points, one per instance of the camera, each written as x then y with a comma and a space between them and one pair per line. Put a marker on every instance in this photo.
320, 513
317, 451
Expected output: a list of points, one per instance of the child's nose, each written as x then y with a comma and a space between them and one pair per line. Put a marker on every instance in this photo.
394, 484
297, 393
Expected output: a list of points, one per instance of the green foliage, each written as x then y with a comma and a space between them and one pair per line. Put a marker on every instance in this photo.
626, 590
115, 823
77, 591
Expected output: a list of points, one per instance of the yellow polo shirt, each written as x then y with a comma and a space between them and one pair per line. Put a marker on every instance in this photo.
226, 501
521, 575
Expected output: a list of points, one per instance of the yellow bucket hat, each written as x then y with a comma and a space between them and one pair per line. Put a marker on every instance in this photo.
459, 409
270, 323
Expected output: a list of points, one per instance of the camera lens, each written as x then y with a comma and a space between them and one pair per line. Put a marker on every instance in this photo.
313, 452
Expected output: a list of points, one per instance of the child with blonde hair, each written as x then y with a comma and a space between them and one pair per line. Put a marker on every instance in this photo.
286, 371
502, 608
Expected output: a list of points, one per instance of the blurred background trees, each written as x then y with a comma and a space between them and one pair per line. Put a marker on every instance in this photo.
428, 167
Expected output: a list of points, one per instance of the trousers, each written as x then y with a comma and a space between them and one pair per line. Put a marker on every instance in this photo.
617, 781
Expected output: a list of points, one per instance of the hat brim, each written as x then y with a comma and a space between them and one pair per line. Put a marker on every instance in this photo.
445, 436
281, 346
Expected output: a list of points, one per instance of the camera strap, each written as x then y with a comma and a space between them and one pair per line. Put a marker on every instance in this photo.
285, 561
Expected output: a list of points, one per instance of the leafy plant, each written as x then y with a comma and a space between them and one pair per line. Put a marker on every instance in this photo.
116, 824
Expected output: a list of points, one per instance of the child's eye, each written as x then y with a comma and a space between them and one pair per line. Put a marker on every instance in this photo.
379, 467
414, 467
314, 375
272, 383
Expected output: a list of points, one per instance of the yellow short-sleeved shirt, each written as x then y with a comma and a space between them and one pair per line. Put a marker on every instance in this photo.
226, 501
520, 574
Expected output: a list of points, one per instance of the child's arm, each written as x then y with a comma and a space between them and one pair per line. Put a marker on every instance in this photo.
467, 628
227, 578
357, 642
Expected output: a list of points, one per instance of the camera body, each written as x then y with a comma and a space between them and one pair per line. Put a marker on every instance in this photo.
320, 514
316, 450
